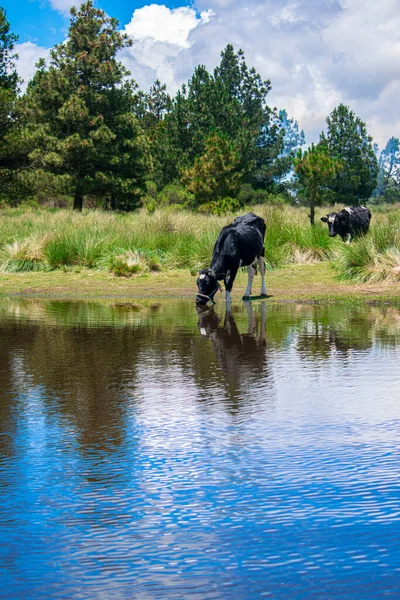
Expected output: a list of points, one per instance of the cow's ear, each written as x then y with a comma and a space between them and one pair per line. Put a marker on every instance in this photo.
324, 219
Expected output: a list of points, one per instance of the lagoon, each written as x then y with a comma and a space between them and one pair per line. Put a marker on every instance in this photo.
150, 451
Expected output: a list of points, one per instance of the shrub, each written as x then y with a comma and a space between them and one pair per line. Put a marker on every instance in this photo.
151, 189
149, 203
222, 206
133, 261
248, 195
24, 255
173, 193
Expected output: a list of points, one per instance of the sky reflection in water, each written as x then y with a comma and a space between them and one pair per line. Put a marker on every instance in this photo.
148, 451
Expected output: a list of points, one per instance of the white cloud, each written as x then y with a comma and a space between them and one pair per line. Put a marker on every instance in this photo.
161, 24
159, 36
64, 5
28, 56
317, 54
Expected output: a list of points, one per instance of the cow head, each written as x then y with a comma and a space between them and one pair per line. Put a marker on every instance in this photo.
334, 221
207, 285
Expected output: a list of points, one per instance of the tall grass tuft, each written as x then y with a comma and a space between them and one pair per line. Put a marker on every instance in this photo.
24, 255
375, 257
130, 262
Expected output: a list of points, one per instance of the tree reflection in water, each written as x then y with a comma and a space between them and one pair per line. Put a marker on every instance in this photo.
91, 362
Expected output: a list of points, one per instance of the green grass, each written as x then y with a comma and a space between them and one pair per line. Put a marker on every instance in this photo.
127, 244
375, 257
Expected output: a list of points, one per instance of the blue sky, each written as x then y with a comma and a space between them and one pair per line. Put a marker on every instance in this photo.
37, 21
317, 53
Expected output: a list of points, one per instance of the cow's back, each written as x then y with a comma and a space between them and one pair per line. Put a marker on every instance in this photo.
360, 218
250, 232
251, 220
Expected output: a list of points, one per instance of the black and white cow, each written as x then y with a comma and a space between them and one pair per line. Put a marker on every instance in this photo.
240, 244
349, 222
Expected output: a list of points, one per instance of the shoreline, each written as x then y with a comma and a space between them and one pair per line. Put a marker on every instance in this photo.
299, 283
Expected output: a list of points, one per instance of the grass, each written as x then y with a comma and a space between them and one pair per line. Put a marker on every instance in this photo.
375, 257
307, 283
136, 244
46, 240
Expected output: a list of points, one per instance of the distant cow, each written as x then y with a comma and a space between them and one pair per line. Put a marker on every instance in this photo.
240, 244
349, 222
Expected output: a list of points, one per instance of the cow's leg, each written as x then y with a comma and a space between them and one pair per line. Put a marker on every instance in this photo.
262, 273
227, 291
250, 273
348, 241
251, 320
229, 279
228, 301
263, 329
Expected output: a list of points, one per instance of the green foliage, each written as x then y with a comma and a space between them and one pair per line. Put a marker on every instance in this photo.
131, 262
348, 141
85, 130
247, 195
12, 151
315, 169
151, 189
175, 194
79, 114
231, 101
388, 185
222, 206
214, 174
8, 74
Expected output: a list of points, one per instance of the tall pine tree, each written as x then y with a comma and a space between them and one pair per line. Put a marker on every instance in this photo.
79, 112
8, 88
347, 140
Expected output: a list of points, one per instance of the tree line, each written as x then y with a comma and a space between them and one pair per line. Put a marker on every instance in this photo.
84, 129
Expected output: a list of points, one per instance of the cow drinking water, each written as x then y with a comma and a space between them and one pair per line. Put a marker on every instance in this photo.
349, 222
240, 244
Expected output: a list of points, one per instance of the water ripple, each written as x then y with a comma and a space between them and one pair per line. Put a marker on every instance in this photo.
158, 454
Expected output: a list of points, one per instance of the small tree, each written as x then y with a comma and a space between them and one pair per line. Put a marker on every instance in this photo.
79, 112
214, 174
315, 169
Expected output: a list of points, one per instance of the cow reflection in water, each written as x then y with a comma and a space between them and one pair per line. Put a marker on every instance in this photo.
241, 357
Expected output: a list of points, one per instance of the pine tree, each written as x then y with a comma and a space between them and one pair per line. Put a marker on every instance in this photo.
8, 87
152, 110
79, 111
347, 140
388, 186
315, 169
215, 173
231, 100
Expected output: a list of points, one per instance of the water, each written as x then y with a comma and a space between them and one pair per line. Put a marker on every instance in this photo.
149, 452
